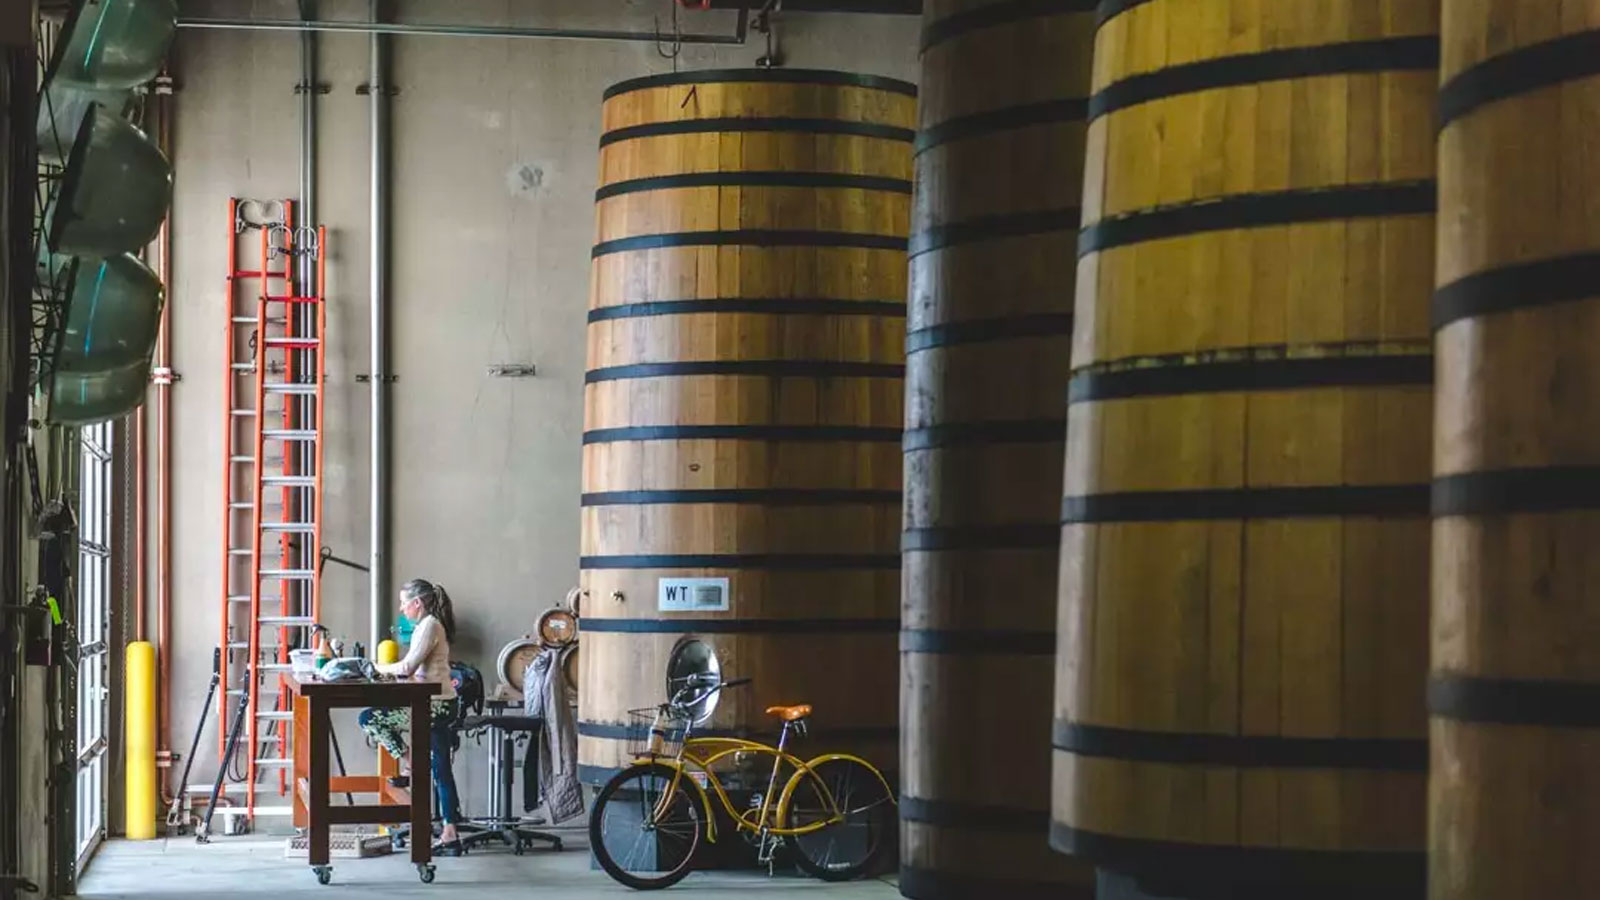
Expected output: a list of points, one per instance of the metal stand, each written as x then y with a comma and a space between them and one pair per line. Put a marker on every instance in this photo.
202, 835
501, 824
175, 811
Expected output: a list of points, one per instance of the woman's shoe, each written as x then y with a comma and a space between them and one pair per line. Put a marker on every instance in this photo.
449, 848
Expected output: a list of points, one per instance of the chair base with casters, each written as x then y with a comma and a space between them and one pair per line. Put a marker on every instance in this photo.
501, 824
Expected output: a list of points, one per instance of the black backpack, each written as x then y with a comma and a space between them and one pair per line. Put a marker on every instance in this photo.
468, 682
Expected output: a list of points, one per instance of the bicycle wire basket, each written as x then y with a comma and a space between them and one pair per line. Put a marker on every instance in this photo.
649, 735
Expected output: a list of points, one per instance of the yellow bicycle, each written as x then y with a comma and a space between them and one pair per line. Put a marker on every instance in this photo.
835, 812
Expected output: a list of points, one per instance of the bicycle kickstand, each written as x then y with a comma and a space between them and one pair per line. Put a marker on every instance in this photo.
767, 852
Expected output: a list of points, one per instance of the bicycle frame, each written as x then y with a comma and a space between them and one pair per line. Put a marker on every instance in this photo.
686, 763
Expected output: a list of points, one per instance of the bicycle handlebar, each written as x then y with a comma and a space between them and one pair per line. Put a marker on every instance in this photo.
706, 685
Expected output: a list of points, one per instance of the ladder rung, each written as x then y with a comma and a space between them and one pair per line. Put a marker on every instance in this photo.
234, 551
241, 459
286, 621
289, 434
274, 667
288, 574
274, 763
274, 715
282, 298
259, 812
244, 412
291, 388
245, 319
296, 527
243, 367
268, 507
290, 480
264, 666
241, 504
239, 598
291, 342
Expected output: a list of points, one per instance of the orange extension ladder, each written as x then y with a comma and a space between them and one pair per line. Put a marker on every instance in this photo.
272, 492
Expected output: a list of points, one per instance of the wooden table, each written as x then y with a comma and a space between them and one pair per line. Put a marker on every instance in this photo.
314, 780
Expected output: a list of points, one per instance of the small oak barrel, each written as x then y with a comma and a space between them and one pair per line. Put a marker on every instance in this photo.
743, 403
1515, 687
994, 226
1244, 558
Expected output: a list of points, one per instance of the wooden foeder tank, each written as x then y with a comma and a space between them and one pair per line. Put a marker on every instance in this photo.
743, 401
999, 161
1515, 687
1244, 559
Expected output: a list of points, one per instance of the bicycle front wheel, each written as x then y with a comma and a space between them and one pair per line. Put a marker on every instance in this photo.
859, 813
645, 826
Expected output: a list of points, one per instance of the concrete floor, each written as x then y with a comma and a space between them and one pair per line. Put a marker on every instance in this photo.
255, 866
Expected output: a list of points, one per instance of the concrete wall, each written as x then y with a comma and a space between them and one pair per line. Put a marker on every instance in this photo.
494, 174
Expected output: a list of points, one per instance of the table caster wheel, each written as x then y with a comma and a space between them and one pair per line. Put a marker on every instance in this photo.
425, 872
516, 849
324, 874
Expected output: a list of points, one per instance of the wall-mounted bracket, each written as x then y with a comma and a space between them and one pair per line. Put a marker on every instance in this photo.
512, 370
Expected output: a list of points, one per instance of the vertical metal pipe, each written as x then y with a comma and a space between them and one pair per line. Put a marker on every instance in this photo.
164, 381
377, 561
306, 556
308, 133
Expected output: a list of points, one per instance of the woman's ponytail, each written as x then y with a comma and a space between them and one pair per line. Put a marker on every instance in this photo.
435, 602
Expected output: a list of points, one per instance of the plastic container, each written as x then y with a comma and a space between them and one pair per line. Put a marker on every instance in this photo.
303, 663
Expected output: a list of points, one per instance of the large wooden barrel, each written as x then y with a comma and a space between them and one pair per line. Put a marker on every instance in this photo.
743, 404
1515, 688
994, 225
1240, 696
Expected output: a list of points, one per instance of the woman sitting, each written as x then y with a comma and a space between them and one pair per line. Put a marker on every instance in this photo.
427, 659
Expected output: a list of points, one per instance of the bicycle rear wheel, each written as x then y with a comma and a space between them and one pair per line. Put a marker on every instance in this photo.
860, 830
640, 840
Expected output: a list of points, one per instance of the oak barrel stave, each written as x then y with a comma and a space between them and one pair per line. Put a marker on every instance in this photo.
1515, 679
744, 398
995, 217
1244, 541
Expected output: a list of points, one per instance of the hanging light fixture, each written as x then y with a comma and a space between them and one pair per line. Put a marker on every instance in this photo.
115, 192
101, 361
112, 316
108, 44
107, 49
109, 202
90, 398
62, 107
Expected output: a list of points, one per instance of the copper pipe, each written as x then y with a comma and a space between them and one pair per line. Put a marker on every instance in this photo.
140, 489
164, 466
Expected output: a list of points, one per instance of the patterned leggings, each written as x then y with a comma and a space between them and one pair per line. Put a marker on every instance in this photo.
389, 728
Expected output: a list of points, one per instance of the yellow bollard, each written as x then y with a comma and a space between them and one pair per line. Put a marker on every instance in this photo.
139, 740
